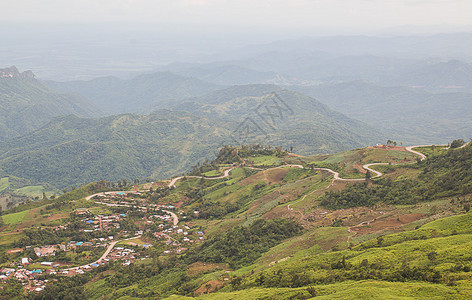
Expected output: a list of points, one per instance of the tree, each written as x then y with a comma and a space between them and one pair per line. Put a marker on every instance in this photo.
457, 143
432, 255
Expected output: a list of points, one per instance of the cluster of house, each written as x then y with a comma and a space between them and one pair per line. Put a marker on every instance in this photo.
49, 250
177, 237
128, 256
119, 198
103, 223
28, 278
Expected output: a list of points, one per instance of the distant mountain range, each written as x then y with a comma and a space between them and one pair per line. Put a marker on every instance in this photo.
137, 95
222, 73
313, 68
26, 104
410, 114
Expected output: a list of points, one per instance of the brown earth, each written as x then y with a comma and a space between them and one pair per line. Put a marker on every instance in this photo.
275, 175
388, 147
209, 287
15, 250
200, 267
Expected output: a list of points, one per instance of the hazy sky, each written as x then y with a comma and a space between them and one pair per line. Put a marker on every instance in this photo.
319, 15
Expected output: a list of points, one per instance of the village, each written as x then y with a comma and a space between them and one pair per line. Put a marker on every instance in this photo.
133, 226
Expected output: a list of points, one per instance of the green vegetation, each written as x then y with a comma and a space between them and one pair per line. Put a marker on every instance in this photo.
70, 151
14, 218
115, 148
243, 245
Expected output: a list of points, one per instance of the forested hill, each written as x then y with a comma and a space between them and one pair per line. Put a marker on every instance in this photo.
26, 104
70, 151
287, 117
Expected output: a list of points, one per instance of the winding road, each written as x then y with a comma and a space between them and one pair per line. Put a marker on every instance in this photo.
225, 174
335, 174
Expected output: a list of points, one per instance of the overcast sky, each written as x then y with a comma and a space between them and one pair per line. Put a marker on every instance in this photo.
317, 15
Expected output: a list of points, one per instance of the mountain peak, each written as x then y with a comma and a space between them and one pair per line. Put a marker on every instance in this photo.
12, 72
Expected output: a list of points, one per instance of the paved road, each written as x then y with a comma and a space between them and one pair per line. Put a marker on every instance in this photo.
175, 219
336, 174
107, 193
225, 174
423, 157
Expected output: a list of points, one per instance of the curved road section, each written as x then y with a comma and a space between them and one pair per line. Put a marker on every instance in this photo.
335, 174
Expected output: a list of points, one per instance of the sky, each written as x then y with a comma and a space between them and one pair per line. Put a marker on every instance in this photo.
331, 16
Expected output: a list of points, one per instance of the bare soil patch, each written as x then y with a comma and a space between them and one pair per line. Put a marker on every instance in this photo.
209, 287
201, 267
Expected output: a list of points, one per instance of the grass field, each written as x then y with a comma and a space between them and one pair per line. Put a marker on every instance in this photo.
33, 191
266, 160
431, 150
7, 239
212, 173
367, 289
13, 219
4, 183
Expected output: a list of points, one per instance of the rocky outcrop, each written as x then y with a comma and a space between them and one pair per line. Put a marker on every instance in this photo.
12, 72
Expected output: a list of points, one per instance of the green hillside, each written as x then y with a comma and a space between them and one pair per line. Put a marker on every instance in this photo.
26, 104
14, 190
71, 151
287, 118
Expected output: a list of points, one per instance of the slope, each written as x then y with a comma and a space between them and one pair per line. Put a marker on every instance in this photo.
71, 151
